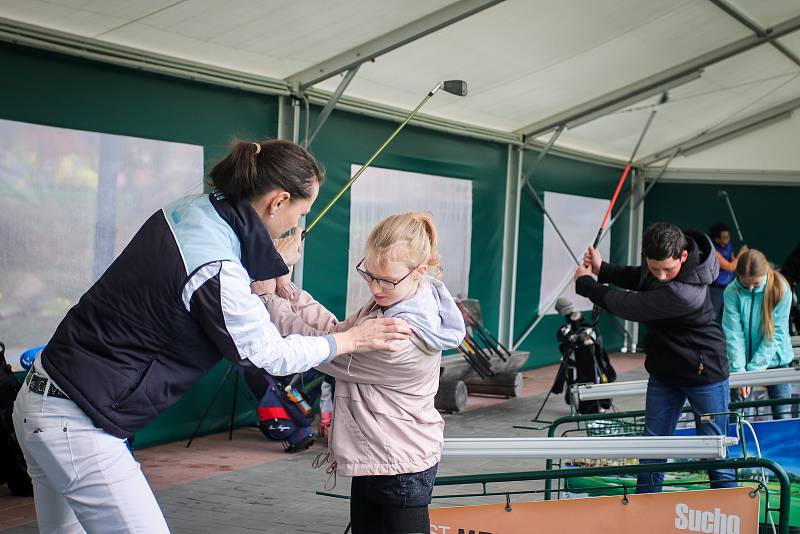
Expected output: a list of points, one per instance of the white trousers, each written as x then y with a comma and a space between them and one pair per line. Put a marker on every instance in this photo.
84, 479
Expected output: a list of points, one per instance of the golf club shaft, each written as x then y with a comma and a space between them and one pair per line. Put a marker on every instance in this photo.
489, 340
611, 205
474, 347
475, 362
626, 172
486, 343
495, 347
369, 162
481, 329
733, 216
471, 363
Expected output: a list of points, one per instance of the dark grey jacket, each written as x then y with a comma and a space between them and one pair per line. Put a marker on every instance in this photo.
684, 343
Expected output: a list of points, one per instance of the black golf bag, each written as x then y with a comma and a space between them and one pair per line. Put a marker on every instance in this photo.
13, 470
584, 360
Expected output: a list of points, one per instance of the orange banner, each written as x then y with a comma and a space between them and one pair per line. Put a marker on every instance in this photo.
722, 511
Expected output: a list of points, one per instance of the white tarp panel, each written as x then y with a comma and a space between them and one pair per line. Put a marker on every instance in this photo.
383, 192
71, 202
748, 151
526, 60
578, 218
275, 38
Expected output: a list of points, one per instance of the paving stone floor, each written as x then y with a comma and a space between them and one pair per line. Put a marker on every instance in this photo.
280, 496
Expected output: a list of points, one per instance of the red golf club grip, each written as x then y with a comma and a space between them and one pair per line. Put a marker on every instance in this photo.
611, 205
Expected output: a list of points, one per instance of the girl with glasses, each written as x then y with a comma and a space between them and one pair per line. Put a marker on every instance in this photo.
386, 433
756, 323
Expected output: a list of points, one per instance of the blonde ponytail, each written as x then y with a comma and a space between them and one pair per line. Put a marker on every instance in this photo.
773, 293
434, 261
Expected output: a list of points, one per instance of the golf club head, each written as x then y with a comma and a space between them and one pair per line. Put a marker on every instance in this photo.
455, 87
722, 193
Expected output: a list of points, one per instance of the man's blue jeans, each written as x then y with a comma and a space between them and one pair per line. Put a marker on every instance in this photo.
663, 409
780, 391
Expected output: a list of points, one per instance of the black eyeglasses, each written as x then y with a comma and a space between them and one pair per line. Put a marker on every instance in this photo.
385, 284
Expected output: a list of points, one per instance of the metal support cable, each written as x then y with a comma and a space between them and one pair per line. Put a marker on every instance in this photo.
605, 234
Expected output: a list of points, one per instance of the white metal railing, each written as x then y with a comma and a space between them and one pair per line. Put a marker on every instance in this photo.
768, 377
590, 447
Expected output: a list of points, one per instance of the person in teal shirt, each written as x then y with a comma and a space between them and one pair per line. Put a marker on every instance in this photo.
756, 323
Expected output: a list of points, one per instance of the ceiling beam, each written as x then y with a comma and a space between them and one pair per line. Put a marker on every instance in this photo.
389, 41
727, 176
660, 89
655, 83
712, 137
605, 105
753, 26
20, 33
330, 105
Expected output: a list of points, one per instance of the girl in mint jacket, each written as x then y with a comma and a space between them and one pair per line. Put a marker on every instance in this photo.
756, 322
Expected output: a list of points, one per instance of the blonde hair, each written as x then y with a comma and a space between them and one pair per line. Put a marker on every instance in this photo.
753, 263
407, 238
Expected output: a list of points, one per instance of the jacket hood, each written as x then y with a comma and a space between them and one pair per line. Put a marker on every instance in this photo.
433, 315
702, 266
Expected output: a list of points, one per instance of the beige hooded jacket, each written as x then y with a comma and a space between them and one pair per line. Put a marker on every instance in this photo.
384, 421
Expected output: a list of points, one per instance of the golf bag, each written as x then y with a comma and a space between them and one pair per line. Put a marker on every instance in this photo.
13, 469
584, 361
284, 413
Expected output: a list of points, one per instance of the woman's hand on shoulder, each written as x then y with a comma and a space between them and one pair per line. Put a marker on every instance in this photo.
373, 334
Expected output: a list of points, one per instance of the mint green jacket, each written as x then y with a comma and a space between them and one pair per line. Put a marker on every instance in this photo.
748, 350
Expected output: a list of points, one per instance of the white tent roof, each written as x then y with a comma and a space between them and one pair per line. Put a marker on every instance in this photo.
524, 60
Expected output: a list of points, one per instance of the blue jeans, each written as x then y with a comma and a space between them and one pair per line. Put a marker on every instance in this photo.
663, 409
780, 391
777, 391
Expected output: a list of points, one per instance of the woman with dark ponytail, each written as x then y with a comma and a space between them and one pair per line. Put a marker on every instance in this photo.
756, 323
175, 301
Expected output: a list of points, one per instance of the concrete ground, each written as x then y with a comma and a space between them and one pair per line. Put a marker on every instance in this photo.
249, 485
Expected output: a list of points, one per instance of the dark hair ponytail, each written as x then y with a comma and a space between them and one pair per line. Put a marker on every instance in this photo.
253, 169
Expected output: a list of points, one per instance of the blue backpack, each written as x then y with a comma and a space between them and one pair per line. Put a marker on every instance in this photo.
284, 414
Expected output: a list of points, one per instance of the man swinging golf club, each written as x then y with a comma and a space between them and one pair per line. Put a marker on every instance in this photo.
686, 355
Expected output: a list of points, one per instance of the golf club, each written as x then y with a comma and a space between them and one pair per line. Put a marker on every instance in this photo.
627, 170
454, 87
724, 194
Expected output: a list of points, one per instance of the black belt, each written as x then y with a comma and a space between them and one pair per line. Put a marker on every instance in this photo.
37, 383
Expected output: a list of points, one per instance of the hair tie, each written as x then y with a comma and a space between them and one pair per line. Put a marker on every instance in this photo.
258, 147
